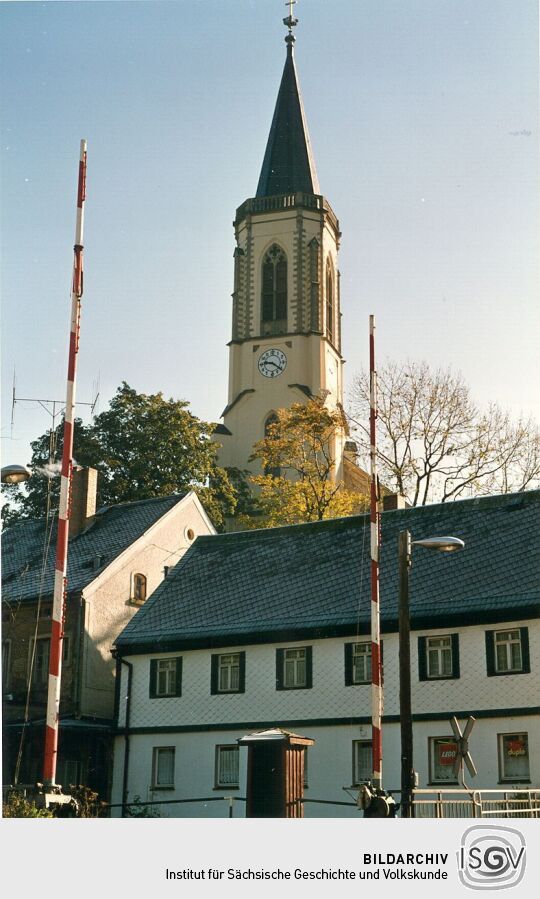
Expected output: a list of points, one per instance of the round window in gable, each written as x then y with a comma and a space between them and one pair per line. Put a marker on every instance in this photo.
189, 534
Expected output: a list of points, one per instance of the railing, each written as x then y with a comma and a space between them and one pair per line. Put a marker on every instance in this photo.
285, 201
476, 803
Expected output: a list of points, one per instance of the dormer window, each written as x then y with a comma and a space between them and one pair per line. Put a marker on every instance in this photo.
139, 587
274, 292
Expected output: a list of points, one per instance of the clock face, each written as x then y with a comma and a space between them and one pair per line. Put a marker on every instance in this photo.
272, 363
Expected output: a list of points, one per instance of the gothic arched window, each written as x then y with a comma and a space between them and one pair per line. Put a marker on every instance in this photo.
274, 291
139, 587
330, 311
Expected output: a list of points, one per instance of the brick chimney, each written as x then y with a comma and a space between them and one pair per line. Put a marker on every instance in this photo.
83, 499
392, 501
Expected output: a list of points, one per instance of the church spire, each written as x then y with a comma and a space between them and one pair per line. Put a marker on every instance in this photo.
288, 164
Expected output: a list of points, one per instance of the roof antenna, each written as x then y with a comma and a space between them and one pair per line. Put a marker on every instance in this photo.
290, 21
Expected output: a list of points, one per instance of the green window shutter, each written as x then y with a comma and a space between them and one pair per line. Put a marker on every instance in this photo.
309, 667
490, 653
153, 678
178, 691
242, 674
279, 669
214, 674
525, 655
422, 659
455, 655
348, 664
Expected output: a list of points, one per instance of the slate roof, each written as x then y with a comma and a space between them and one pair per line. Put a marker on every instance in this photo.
288, 164
286, 583
114, 529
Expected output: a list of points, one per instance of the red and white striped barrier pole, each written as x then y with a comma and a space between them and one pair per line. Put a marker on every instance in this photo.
60, 581
376, 681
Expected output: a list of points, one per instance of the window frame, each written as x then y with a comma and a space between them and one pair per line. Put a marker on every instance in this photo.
433, 781
154, 677
329, 290
505, 779
423, 663
215, 673
349, 663
6, 663
66, 657
218, 785
156, 751
280, 668
355, 781
275, 256
491, 654
138, 576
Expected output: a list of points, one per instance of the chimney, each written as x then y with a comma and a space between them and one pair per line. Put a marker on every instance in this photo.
83, 499
392, 501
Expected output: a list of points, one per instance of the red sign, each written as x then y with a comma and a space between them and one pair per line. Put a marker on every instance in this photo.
516, 747
447, 753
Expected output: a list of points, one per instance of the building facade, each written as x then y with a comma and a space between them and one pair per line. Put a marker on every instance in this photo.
271, 629
117, 557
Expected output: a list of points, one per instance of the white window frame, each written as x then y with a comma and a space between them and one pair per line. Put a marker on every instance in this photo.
512, 778
228, 669
293, 660
157, 751
439, 652
433, 778
356, 745
165, 667
508, 667
365, 655
223, 749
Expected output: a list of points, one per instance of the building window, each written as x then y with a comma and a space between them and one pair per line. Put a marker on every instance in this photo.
165, 677
228, 672
438, 657
357, 663
163, 768
139, 587
40, 664
329, 301
362, 761
69, 772
6, 660
507, 652
442, 756
514, 758
274, 291
227, 767
294, 668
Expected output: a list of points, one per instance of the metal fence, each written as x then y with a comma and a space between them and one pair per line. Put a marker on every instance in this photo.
476, 803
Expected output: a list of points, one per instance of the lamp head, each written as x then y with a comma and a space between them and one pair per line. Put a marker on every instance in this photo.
14, 474
441, 544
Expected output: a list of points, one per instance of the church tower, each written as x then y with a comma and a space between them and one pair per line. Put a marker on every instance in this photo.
286, 320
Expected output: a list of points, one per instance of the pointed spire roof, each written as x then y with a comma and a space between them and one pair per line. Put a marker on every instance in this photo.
288, 164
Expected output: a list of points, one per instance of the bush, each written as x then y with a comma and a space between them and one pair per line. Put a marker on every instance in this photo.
17, 806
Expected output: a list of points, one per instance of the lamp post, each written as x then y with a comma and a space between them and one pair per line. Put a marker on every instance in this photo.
439, 544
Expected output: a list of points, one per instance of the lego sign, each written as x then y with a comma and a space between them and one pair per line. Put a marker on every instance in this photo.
446, 753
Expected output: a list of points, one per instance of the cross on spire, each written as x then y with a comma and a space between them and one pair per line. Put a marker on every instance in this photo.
290, 21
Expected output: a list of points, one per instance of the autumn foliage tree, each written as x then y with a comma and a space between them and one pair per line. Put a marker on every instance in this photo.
435, 444
297, 457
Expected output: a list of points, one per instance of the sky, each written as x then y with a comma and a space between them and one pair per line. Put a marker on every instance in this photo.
423, 117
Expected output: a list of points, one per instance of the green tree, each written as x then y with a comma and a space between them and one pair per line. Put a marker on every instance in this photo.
143, 446
297, 456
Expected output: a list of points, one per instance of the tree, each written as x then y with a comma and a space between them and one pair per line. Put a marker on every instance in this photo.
435, 444
143, 446
297, 456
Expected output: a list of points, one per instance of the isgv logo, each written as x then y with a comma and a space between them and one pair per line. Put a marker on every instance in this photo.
491, 857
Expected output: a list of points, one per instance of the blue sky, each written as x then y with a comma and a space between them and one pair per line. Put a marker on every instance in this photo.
423, 116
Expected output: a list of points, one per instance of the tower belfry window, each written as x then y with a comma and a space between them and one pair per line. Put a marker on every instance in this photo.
330, 315
274, 291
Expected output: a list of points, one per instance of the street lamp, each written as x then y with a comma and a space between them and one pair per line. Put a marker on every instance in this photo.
14, 474
440, 544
